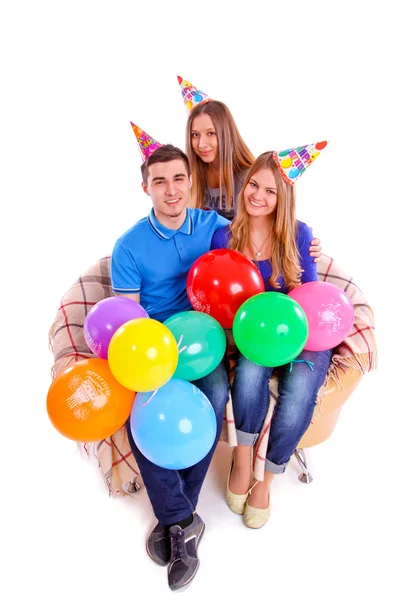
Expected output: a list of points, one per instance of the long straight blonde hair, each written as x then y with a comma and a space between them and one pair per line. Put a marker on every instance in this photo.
285, 258
234, 156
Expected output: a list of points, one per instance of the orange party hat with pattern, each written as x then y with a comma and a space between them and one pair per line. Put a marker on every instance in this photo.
293, 162
191, 95
147, 144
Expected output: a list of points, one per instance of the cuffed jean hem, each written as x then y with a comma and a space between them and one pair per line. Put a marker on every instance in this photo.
273, 468
246, 439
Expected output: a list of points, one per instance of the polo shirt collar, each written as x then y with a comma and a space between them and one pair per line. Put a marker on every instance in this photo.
166, 234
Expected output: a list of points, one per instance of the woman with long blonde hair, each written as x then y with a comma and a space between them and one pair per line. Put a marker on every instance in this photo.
265, 230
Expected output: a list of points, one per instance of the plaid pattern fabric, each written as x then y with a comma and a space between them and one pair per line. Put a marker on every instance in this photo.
113, 455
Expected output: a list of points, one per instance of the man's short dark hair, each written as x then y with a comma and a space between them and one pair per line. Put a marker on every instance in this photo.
164, 154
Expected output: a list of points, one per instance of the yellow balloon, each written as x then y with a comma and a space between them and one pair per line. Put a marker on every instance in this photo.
143, 355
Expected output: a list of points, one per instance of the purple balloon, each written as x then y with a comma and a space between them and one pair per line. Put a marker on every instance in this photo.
103, 320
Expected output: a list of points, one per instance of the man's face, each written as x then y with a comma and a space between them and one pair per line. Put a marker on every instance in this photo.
168, 186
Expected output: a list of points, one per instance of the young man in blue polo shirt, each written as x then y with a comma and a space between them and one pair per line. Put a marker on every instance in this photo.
150, 263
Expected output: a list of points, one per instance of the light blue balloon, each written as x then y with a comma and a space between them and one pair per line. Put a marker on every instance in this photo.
176, 428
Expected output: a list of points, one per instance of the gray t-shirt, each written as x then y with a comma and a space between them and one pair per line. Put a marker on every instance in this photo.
211, 199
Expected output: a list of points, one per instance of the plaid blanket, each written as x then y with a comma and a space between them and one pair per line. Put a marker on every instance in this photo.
113, 455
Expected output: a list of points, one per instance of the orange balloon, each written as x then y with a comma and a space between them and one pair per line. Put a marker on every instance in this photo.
86, 403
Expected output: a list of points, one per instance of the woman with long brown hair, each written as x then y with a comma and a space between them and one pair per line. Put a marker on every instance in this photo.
219, 158
265, 230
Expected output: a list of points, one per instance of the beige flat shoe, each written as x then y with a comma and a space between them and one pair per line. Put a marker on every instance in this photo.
256, 517
236, 502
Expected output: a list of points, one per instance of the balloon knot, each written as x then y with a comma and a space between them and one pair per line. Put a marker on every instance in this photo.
179, 343
152, 396
308, 362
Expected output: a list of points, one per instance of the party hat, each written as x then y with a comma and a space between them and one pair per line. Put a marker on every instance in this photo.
191, 96
293, 162
147, 145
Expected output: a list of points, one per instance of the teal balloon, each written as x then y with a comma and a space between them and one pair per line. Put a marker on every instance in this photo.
201, 343
270, 329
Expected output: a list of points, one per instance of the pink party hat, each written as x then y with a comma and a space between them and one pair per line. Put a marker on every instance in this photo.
293, 162
147, 145
191, 96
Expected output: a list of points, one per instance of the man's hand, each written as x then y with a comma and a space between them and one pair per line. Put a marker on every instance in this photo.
315, 249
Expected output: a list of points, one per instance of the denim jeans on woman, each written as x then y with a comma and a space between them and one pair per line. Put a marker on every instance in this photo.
174, 494
297, 396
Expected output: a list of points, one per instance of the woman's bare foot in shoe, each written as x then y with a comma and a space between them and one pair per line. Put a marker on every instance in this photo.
239, 481
259, 497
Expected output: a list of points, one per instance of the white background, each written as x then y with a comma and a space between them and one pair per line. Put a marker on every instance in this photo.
73, 74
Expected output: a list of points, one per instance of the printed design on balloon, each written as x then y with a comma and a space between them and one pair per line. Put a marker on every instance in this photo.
199, 300
90, 338
92, 389
331, 317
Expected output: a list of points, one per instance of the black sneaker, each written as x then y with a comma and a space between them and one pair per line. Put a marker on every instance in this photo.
158, 545
184, 562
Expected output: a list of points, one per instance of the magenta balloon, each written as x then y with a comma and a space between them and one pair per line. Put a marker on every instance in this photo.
329, 311
103, 320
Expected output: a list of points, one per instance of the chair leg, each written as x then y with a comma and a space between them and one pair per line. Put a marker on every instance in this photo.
132, 487
301, 457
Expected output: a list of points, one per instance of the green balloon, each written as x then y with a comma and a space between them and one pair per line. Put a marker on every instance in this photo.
270, 329
201, 343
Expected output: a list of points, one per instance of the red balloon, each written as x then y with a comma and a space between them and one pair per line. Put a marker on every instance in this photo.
220, 281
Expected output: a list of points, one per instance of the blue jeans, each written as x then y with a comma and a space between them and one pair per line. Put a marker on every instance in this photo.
297, 396
174, 494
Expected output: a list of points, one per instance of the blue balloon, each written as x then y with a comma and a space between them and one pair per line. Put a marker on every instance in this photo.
176, 427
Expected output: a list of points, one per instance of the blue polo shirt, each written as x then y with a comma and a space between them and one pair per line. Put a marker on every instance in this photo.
154, 261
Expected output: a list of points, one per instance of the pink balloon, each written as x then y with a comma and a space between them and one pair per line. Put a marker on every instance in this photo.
105, 317
329, 311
